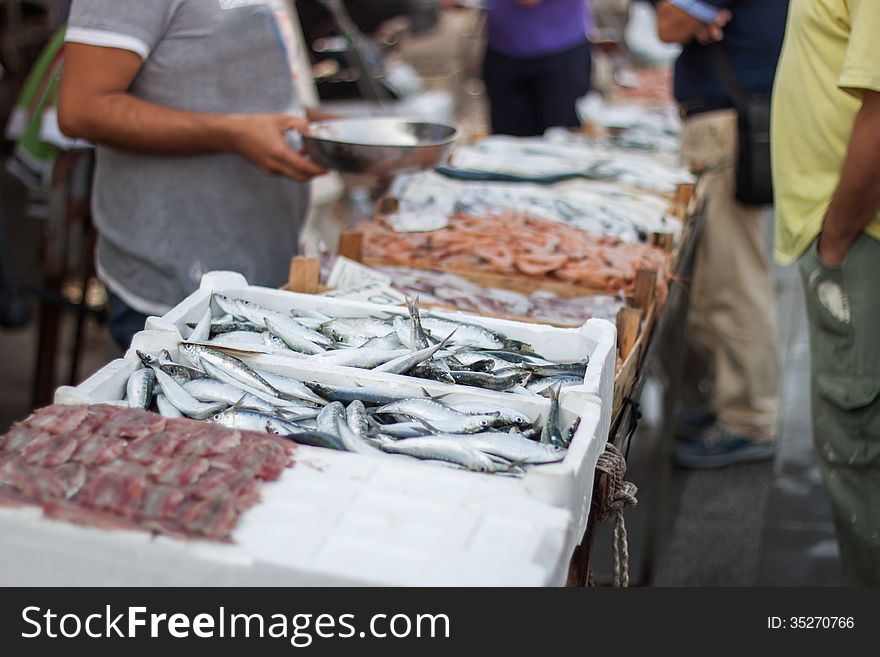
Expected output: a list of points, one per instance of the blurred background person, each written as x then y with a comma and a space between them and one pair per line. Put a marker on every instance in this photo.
537, 63
732, 329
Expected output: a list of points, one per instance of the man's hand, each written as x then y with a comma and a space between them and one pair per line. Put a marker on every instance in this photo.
832, 254
95, 104
675, 25
262, 140
856, 200
713, 32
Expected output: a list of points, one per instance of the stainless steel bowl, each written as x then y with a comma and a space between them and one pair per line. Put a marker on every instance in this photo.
381, 147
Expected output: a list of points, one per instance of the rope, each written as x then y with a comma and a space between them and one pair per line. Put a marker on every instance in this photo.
621, 494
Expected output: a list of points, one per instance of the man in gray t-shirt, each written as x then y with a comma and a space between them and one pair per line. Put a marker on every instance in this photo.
189, 102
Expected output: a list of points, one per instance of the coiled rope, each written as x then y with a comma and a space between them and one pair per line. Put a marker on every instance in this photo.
621, 494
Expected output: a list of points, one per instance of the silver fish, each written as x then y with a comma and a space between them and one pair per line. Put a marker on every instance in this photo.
550, 434
166, 408
356, 417
183, 401
420, 409
356, 331
353, 442
570, 431
542, 386
297, 407
433, 370
211, 390
139, 388
330, 417
418, 336
229, 306
438, 449
233, 367
283, 323
233, 327
172, 369
349, 394
506, 415
291, 388
463, 425
274, 343
301, 313
469, 335
501, 380
512, 448
312, 438
577, 370
400, 429
245, 419
403, 332
295, 340
363, 357
405, 363
388, 342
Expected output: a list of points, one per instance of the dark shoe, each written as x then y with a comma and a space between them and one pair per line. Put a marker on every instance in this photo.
718, 448
692, 424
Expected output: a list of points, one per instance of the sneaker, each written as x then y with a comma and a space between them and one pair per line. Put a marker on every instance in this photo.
692, 424
718, 448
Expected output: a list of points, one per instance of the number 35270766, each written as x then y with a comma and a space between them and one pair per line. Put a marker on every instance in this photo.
811, 623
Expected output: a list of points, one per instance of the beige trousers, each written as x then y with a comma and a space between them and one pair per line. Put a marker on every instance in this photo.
732, 324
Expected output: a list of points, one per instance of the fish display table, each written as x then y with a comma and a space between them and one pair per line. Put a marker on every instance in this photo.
337, 517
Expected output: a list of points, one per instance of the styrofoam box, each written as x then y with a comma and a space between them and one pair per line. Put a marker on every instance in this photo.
340, 518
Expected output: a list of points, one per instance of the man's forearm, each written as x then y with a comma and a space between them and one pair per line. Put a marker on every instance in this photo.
856, 200
125, 121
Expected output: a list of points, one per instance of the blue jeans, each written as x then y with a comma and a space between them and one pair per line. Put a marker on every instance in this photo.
124, 322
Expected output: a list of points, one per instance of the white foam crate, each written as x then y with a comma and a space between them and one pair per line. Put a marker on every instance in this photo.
568, 484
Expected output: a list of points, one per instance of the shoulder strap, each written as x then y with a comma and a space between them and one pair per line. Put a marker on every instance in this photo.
728, 77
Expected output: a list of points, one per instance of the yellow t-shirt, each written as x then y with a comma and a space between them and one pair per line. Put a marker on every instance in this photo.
831, 54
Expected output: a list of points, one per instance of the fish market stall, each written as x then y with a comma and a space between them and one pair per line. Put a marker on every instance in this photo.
438, 408
351, 493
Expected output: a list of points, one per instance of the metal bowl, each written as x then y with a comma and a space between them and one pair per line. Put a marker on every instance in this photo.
382, 147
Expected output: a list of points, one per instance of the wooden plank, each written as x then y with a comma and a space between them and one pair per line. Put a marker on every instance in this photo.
351, 245
305, 275
645, 288
684, 194
629, 323
626, 376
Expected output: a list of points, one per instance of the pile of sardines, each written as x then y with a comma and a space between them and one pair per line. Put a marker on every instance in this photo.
479, 436
421, 345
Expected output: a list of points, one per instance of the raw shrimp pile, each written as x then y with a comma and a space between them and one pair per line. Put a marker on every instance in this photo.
511, 244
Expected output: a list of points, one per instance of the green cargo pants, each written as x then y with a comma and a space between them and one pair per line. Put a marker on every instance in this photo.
843, 306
